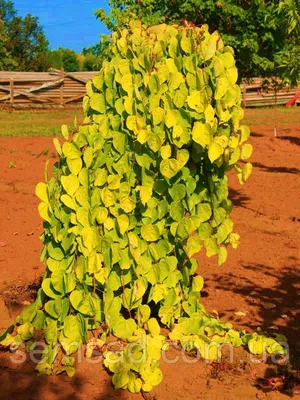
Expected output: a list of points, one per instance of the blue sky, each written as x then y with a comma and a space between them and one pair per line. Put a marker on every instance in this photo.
66, 23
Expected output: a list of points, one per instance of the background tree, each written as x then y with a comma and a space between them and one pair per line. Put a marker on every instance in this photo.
247, 26
66, 58
288, 59
54, 59
27, 43
25, 40
69, 59
100, 51
6, 60
89, 59
7, 11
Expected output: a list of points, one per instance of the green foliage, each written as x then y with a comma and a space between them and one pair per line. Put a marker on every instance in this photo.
54, 59
257, 30
100, 51
139, 189
290, 11
25, 44
7, 10
68, 59
6, 60
89, 62
288, 58
247, 26
62, 57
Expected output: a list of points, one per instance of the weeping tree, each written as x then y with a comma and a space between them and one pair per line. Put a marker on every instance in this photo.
139, 188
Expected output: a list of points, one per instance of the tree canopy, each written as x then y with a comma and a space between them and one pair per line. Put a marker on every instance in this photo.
288, 58
255, 29
265, 34
6, 60
24, 44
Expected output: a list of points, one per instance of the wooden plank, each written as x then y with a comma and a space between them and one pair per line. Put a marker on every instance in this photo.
6, 89
33, 89
18, 92
25, 76
30, 96
11, 92
62, 76
70, 99
76, 78
56, 88
55, 71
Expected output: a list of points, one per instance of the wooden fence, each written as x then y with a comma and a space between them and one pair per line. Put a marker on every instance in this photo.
58, 88
55, 88
255, 94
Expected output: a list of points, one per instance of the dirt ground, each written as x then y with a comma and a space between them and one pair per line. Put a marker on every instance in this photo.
260, 279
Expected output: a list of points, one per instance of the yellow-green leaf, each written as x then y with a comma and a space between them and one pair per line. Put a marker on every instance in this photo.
157, 115
171, 118
108, 197
68, 201
182, 157
194, 245
127, 204
222, 87
186, 45
201, 134
44, 211
71, 151
65, 131
57, 146
97, 102
150, 232
153, 326
246, 151
123, 223
70, 183
197, 101
232, 75
145, 193
169, 167
211, 48
197, 283
101, 177
166, 151
222, 255
127, 83
42, 192
247, 171
74, 165
214, 151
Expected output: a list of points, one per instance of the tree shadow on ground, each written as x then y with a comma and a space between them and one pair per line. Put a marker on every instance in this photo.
21, 382
238, 199
284, 294
293, 139
255, 134
281, 379
285, 170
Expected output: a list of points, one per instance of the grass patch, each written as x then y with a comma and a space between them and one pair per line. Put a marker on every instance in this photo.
267, 116
48, 123
37, 123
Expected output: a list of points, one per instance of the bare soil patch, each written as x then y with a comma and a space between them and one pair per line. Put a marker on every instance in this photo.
264, 270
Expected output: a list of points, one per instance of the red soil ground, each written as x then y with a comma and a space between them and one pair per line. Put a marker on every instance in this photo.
263, 270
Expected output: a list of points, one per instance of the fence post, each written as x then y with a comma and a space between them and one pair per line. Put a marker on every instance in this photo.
11, 92
62, 74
